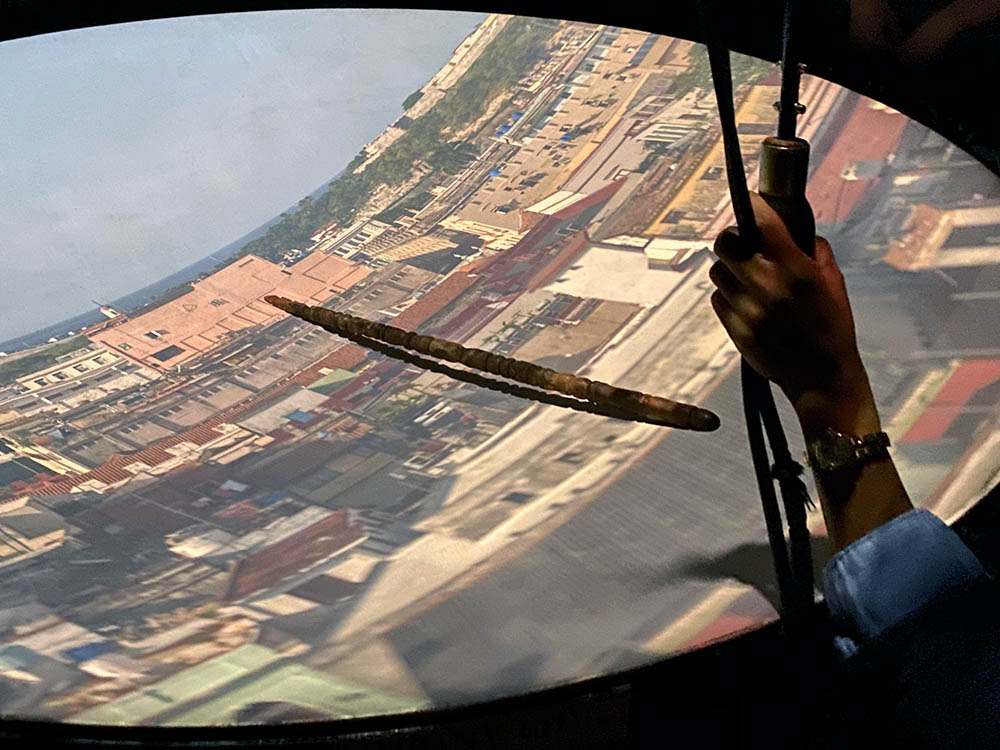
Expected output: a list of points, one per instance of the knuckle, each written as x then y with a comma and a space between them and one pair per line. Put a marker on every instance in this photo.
727, 241
754, 313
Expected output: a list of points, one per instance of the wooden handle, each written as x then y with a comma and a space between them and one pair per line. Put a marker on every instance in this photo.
649, 408
784, 169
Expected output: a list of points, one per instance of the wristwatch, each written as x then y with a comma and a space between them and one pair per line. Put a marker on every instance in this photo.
835, 451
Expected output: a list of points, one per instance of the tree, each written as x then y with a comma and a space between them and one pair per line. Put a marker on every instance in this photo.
412, 99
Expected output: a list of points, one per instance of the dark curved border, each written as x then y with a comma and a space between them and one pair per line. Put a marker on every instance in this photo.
711, 692
717, 694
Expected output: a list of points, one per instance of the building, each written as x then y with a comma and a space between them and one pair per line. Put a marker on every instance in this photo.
27, 529
957, 398
26, 676
70, 367
251, 684
676, 120
872, 132
947, 238
417, 247
663, 253
498, 231
274, 561
396, 288
225, 303
352, 240
557, 201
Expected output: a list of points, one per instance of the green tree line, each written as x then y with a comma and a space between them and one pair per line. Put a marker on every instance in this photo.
412, 99
745, 69
517, 47
29, 363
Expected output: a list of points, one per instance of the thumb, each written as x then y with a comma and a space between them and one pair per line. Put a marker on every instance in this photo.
825, 263
823, 254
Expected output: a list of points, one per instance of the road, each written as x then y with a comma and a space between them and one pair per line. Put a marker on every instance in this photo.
561, 460
584, 598
478, 607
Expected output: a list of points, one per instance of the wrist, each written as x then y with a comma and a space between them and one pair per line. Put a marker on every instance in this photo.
847, 407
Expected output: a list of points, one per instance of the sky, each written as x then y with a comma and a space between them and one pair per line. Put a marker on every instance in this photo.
131, 151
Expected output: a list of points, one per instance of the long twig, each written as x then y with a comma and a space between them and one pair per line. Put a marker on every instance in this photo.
620, 402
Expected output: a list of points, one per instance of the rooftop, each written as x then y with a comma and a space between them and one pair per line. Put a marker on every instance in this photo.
870, 133
228, 301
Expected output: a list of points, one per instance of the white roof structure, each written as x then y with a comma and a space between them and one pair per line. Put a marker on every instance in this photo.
556, 202
666, 250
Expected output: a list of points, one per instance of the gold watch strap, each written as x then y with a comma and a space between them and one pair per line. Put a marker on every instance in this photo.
836, 451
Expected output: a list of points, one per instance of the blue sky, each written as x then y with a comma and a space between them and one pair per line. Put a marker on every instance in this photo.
130, 151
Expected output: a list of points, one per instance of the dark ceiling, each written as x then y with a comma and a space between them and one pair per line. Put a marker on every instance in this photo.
946, 81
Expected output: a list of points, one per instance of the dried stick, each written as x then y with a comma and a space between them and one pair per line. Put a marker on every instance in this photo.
626, 403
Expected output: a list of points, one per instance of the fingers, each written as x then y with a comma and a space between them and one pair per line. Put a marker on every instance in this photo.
752, 270
731, 248
725, 281
778, 244
735, 326
778, 250
741, 260
828, 271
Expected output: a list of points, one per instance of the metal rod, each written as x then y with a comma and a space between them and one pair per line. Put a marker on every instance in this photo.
788, 102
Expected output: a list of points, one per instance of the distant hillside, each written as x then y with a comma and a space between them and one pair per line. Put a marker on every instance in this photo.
517, 47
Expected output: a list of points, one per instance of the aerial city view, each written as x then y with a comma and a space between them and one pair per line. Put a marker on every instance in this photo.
211, 512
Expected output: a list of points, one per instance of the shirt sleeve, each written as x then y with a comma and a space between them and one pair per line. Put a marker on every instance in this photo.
888, 577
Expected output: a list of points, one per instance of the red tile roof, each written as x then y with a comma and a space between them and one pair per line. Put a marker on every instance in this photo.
280, 435
591, 200
573, 247
869, 134
346, 357
266, 567
351, 427
726, 626
436, 299
935, 420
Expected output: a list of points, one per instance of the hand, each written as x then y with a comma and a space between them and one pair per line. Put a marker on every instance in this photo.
789, 316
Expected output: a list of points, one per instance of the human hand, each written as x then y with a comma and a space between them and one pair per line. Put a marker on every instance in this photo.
790, 317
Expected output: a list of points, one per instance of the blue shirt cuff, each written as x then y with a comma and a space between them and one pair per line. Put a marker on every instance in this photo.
889, 576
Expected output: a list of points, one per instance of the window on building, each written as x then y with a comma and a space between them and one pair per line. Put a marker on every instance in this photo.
219, 302
81, 368
40, 381
168, 353
152, 334
125, 347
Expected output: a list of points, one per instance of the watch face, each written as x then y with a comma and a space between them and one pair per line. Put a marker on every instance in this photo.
835, 452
